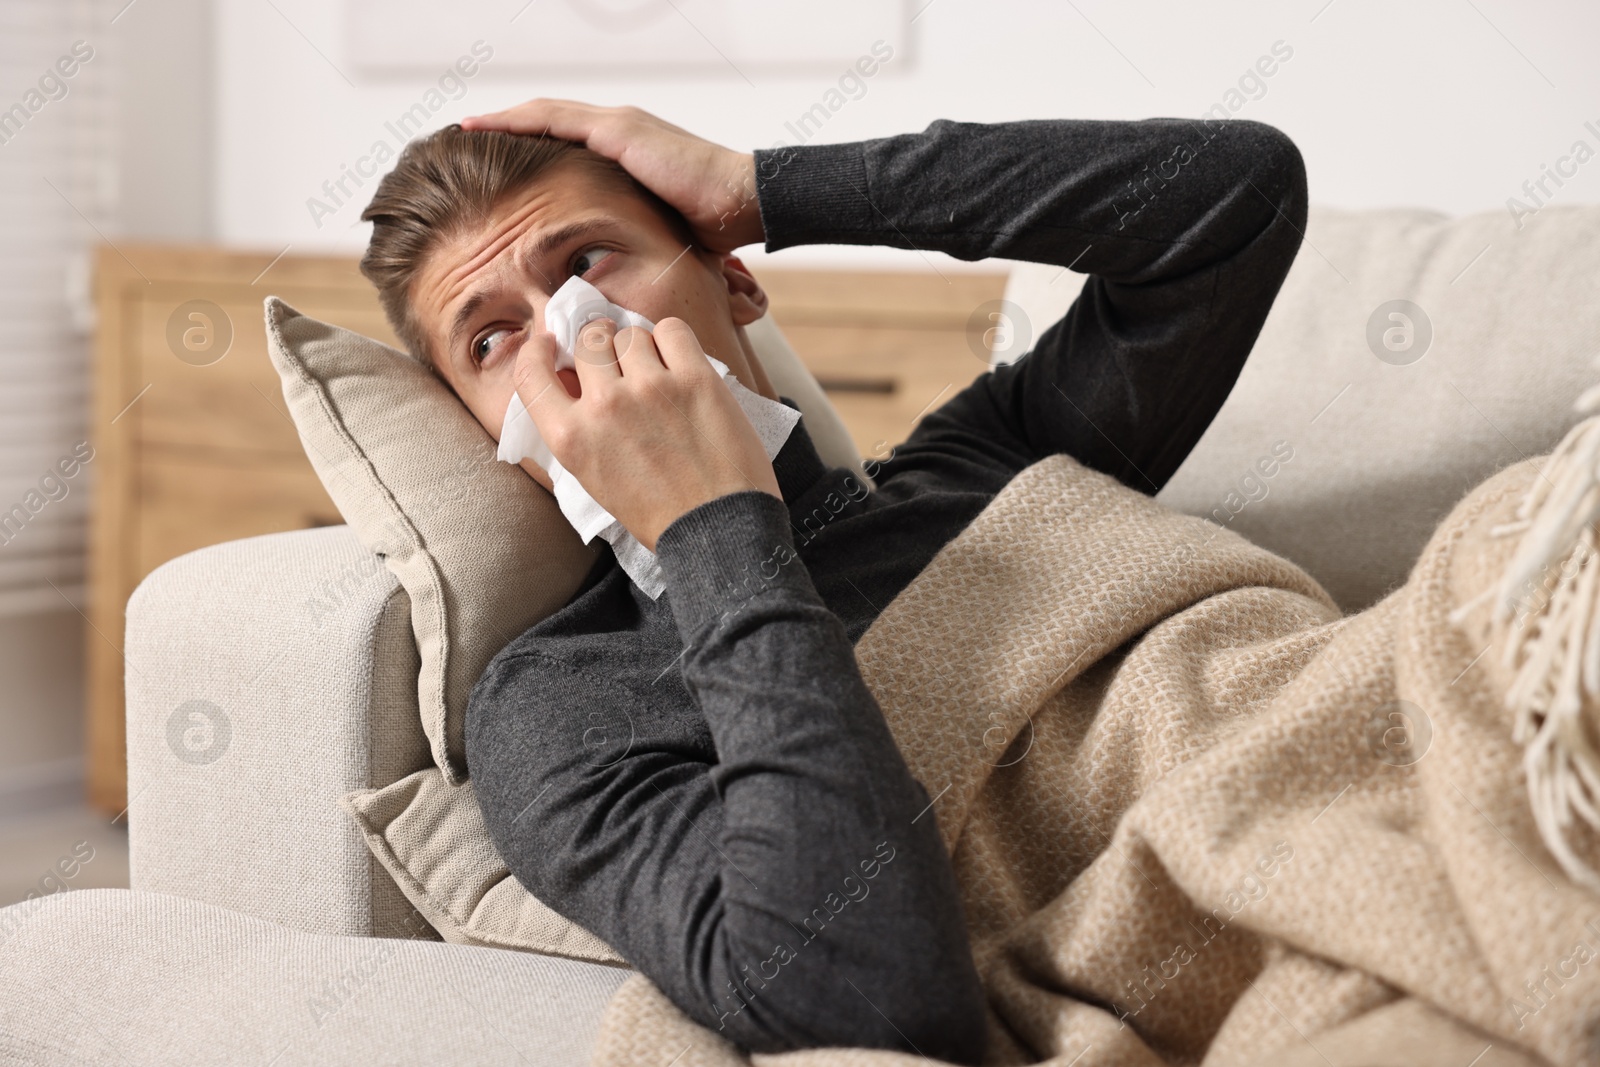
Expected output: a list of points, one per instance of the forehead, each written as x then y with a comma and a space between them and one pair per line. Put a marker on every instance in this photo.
476, 252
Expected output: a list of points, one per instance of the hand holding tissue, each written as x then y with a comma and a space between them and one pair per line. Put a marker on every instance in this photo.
569, 309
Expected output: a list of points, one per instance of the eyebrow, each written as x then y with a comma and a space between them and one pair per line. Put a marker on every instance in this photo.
537, 253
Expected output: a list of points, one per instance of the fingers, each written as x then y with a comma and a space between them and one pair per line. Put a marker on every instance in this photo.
535, 377
594, 354
679, 347
609, 131
569, 120
530, 117
637, 354
615, 353
603, 356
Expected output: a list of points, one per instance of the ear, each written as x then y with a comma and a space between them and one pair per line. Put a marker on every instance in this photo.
747, 301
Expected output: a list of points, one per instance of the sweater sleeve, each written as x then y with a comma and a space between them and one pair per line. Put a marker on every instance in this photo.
795, 893
1186, 228
814, 794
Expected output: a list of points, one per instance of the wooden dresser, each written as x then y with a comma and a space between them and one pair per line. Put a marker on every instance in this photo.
195, 446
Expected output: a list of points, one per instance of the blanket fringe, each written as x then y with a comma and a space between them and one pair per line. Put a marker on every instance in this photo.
1545, 620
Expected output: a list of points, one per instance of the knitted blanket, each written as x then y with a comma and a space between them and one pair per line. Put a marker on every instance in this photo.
1198, 816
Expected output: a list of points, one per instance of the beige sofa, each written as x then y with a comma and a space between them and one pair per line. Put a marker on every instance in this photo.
260, 930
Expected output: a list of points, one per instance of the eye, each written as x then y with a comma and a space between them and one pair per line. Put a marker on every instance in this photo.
587, 255
484, 346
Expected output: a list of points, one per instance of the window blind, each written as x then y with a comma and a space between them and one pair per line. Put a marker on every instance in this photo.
58, 188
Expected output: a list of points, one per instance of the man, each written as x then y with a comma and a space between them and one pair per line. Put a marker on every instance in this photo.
704, 780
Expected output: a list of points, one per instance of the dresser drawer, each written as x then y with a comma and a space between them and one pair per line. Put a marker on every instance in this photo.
887, 348
191, 500
884, 379
235, 402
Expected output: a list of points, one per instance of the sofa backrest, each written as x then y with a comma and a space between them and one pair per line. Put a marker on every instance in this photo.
1388, 420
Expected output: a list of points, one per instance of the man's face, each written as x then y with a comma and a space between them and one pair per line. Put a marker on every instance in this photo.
479, 295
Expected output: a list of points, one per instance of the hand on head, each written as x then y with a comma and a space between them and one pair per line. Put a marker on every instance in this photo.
711, 186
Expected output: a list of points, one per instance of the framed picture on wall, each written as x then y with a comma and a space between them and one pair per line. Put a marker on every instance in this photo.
693, 36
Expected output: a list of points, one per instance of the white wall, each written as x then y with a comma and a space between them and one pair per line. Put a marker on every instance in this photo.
165, 145
1442, 103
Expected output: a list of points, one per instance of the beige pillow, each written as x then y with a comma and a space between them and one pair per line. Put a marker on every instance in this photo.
482, 549
431, 838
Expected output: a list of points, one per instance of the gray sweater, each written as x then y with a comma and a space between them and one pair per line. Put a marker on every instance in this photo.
704, 780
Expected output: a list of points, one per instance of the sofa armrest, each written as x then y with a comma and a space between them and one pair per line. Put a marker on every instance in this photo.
265, 678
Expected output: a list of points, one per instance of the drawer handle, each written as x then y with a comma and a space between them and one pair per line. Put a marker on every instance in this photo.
856, 385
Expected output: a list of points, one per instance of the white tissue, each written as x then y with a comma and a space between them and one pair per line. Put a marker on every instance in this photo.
570, 308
